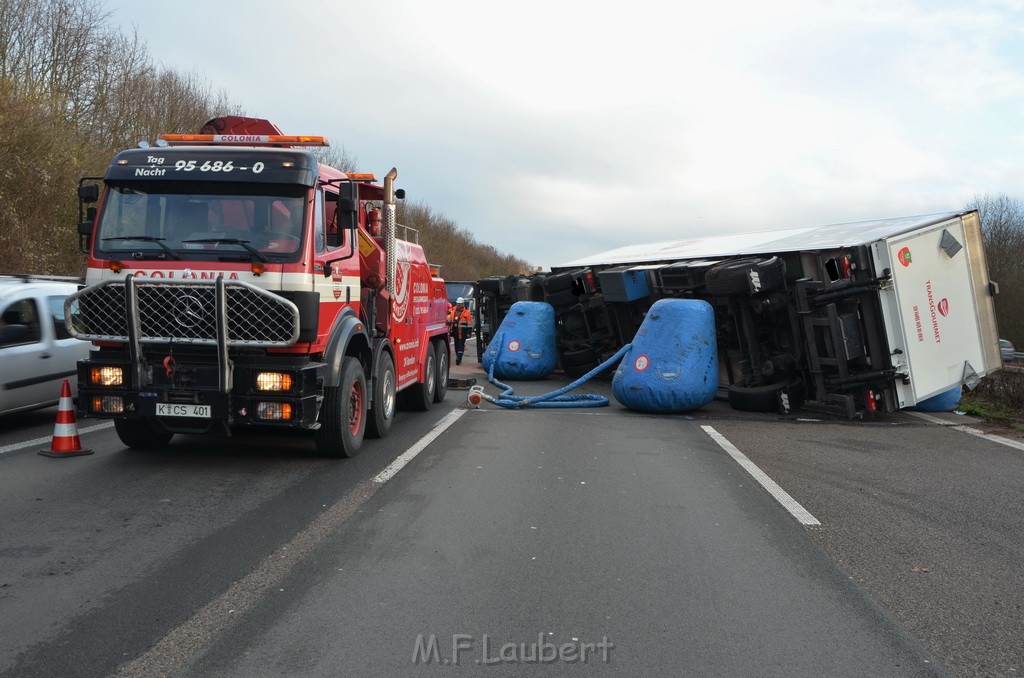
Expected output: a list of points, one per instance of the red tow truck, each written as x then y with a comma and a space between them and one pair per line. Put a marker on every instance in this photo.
234, 281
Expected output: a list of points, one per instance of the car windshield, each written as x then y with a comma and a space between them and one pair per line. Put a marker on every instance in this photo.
184, 219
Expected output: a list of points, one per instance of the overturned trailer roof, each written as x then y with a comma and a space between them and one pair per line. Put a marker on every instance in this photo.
785, 240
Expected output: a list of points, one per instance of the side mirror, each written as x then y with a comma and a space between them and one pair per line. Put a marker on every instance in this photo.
88, 192
85, 229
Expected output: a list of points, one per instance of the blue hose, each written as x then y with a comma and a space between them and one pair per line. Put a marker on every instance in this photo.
554, 398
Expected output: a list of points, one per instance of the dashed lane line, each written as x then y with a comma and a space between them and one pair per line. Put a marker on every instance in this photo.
779, 494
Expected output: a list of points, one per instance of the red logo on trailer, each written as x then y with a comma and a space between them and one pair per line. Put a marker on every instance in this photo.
904, 256
944, 307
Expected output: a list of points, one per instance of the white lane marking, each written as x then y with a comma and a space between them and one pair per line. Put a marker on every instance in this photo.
410, 454
48, 439
780, 495
1015, 444
187, 640
930, 418
1009, 442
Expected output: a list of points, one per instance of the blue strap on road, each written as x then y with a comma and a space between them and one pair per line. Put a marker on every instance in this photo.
554, 398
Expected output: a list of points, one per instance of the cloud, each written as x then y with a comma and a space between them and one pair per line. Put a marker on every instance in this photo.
553, 130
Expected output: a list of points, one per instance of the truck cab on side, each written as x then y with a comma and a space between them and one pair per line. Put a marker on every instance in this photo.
234, 282
849, 319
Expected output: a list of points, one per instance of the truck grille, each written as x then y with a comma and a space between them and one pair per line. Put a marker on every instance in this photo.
182, 312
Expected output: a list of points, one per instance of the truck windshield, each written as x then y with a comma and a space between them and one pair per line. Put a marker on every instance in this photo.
191, 220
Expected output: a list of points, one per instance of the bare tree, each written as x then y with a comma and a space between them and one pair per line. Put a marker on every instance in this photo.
337, 157
73, 91
455, 249
1002, 222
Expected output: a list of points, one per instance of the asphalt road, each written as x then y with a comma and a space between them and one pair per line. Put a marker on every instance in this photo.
533, 536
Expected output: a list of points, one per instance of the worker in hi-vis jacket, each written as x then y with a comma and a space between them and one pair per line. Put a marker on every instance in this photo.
459, 322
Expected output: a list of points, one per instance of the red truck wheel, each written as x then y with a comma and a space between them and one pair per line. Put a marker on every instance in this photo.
343, 413
420, 396
385, 386
441, 386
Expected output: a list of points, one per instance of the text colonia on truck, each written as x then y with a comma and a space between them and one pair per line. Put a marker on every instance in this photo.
234, 281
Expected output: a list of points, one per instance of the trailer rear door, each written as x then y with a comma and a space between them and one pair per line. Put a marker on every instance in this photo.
939, 314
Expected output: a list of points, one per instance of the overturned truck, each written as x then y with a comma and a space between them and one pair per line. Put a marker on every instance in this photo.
850, 318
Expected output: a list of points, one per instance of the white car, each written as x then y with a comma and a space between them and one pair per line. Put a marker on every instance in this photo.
1007, 351
36, 352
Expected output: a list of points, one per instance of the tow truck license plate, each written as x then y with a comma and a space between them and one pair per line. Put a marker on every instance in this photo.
179, 410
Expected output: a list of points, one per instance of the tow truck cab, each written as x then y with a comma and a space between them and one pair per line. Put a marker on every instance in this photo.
231, 276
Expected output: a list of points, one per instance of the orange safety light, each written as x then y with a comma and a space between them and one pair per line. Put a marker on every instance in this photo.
115, 265
362, 176
257, 268
245, 139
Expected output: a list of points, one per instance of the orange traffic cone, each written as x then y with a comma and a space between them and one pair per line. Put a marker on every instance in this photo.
65, 431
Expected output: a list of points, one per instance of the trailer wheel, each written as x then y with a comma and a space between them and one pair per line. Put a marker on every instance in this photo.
735, 277
420, 396
385, 393
783, 396
343, 413
141, 434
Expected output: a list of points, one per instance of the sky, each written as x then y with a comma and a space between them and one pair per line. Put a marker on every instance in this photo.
557, 129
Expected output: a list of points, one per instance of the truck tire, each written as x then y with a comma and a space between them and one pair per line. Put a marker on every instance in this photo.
420, 397
385, 395
733, 277
561, 299
783, 396
536, 289
343, 413
443, 366
560, 282
577, 363
141, 434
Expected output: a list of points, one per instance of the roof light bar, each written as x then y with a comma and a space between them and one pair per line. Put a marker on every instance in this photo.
361, 176
245, 139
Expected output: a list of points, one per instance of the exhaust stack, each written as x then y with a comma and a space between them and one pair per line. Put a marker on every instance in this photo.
389, 229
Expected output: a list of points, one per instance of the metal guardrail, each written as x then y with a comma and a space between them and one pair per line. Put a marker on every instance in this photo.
29, 277
409, 229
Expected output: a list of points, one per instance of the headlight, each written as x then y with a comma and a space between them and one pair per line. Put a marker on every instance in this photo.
274, 411
107, 376
107, 404
273, 381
